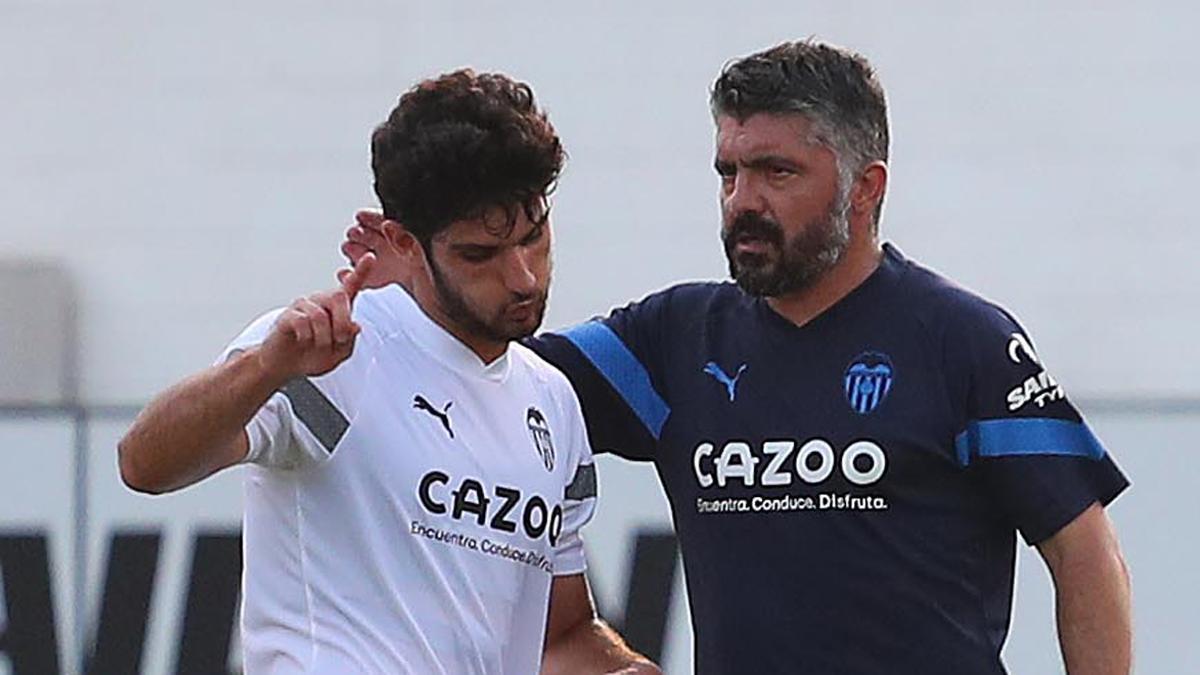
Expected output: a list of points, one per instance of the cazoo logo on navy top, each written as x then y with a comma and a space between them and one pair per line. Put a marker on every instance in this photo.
781, 464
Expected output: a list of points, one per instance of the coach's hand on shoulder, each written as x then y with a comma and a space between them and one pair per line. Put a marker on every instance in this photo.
315, 333
368, 235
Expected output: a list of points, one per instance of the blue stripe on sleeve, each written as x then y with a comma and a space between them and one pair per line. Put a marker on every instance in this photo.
1026, 436
623, 371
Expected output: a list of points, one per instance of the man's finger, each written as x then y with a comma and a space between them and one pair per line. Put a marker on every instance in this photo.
342, 274
352, 283
319, 321
370, 219
339, 311
354, 250
371, 238
300, 328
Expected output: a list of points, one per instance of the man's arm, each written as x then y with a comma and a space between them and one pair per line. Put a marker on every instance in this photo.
198, 426
1093, 595
578, 642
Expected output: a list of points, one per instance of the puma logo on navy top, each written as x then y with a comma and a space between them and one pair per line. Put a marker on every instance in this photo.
420, 403
719, 375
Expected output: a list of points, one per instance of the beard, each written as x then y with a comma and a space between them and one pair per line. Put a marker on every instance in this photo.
786, 265
496, 326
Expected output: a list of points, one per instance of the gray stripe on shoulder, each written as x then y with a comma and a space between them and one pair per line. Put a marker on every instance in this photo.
583, 485
317, 412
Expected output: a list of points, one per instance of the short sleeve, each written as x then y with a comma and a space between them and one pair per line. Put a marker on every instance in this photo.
1032, 450
611, 362
304, 422
579, 493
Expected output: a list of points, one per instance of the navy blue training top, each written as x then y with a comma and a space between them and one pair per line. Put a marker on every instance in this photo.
846, 493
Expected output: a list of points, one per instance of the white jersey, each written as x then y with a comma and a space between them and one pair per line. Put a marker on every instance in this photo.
406, 512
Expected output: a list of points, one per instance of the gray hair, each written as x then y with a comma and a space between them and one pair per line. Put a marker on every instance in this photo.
833, 88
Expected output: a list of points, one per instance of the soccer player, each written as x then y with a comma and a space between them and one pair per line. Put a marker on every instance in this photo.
415, 482
849, 441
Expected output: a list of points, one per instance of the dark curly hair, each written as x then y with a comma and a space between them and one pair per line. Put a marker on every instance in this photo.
834, 88
461, 144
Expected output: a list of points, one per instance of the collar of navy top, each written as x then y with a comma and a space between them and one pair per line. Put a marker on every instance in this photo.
437, 341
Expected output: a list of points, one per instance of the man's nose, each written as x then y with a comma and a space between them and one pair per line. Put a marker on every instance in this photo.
519, 275
744, 195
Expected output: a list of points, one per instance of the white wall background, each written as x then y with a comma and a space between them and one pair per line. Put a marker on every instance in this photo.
192, 164
195, 163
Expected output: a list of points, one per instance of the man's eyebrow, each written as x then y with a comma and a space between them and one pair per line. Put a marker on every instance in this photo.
757, 162
473, 247
763, 161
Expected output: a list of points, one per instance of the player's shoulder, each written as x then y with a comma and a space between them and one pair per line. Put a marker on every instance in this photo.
700, 291
252, 335
682, 304
382, 312
544, 374
647, 320
552, 383
945, 305
258, 329
379, 307
695, 294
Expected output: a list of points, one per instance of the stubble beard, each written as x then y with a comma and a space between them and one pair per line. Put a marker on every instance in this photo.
473, 323
790, 265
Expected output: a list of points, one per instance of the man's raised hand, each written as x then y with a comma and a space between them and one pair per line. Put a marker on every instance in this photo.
315, 333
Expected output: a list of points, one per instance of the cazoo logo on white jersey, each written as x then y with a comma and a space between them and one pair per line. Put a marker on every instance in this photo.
507, 509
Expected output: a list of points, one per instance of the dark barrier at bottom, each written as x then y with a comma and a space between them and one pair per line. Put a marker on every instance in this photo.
29, 635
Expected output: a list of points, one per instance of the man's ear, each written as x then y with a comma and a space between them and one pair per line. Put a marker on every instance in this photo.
869, 188
405, 245
398, 237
